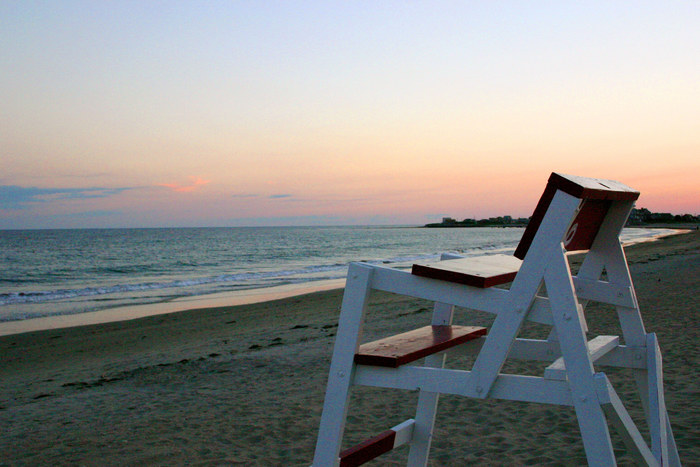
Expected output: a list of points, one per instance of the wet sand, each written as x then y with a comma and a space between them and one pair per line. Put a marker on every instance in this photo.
244, 385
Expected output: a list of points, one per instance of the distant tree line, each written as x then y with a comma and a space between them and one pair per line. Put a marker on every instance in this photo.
643, 216
640, 216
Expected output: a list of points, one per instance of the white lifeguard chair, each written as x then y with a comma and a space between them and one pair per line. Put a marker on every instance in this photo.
573, 214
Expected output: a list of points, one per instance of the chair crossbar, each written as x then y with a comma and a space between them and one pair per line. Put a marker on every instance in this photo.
604, 292
620, 356
458, 382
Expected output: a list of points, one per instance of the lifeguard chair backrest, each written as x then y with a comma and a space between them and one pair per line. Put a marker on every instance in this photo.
596, 195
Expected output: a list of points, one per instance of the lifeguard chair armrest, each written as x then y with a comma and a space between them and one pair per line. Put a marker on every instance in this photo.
413, 345
599, 191
482, 271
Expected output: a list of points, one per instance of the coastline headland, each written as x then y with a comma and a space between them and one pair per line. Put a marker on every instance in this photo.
501, 221
641, 217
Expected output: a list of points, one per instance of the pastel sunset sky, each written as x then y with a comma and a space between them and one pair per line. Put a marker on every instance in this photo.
226, 113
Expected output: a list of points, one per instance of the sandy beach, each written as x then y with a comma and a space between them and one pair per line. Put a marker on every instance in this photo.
244, 385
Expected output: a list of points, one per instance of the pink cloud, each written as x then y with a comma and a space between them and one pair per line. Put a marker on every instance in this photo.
196, 183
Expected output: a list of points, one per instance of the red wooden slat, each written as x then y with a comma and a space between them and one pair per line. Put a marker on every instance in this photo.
483, 282
585, 226
535, 221
368, 450
410, 346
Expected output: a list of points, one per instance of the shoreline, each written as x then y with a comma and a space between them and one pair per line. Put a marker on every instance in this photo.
233, 298
196, 302
244, 385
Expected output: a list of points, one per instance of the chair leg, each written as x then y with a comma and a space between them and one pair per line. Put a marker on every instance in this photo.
645, 388
428, 401
663, 444
594, 432
579, 368
673, 458
589, 412
335, 404
425, 420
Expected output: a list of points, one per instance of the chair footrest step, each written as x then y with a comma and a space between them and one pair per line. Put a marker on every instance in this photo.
368, 450
410, 346
378, 445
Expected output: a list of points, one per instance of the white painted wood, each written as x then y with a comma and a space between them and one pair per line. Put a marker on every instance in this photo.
632, 325
621, 356
608, 251
404, 432
522, 349
597, 347
522, 292
442, 314
600, 345
657, 405
404, 283
423, 431
449, 381
352, 312
604, 292
581, 317
579, 367
428, 400
570, 378
556, 370
623, 423
553, 337
533, 349
531, 389
492, 300
624, 356
673, 458
540, 311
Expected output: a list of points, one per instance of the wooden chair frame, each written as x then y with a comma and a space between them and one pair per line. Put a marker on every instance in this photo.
574, 213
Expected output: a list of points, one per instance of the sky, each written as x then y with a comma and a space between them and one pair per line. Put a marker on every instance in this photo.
248, 113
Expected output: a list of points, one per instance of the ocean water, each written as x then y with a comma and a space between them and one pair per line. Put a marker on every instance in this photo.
57, 272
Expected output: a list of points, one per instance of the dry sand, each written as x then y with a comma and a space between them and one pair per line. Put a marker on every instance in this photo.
244, 385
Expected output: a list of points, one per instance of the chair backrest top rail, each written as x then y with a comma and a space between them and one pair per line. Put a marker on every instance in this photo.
597, 195
592, 188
